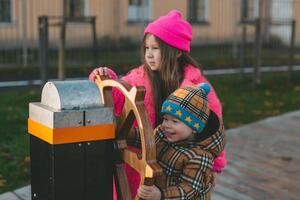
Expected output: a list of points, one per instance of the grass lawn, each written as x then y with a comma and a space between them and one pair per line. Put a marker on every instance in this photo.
14, 140
242, 104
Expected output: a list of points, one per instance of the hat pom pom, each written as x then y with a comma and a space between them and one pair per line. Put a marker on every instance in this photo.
174, 13
205, 87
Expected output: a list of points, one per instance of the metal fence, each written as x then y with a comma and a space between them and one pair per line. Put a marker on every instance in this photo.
255, 33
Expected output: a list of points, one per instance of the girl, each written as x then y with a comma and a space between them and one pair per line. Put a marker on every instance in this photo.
167, 66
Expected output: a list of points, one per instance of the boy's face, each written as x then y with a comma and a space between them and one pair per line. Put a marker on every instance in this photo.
152, 52
175, 130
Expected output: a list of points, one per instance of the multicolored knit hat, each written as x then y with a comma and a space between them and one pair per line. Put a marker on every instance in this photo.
189, 105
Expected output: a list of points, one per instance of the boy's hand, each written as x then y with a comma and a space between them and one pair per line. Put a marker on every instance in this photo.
149, 192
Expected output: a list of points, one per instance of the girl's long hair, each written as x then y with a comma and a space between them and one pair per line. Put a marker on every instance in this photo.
169, 76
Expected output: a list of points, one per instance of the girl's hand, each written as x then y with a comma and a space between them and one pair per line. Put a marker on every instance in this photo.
149, 192
98, 71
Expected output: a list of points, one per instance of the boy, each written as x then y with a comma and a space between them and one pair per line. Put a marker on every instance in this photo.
190, 137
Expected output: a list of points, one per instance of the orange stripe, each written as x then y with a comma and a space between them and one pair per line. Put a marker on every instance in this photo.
71, 134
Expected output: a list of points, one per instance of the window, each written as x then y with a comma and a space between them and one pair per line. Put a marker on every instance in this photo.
139, 10
76, 8
198, 11
5, 10
249, 9
244, 9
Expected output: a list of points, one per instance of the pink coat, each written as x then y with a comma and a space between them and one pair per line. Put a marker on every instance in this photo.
138, 77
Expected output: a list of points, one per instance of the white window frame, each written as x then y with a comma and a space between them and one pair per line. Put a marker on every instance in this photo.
85, 9
206, 9
255, 10
137, 13
252, 10
206, 12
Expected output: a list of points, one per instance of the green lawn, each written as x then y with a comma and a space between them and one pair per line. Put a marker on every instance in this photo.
242, 104
14, 145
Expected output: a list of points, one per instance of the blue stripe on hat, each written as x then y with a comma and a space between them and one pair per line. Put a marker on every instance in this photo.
171, 109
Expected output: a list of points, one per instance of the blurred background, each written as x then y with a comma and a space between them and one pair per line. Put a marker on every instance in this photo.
38, 34
249, 49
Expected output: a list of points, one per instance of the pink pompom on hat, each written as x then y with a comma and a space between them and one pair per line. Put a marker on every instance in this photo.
172, 29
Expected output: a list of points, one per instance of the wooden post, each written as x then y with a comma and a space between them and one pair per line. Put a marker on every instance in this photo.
291, 52
242, 50
95, 44
43, 47
61, 56
24, 35
257, 56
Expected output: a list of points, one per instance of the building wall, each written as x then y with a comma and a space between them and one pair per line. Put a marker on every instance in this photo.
223, 18
20, 27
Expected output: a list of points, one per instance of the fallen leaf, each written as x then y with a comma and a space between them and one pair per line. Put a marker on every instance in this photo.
25, 172
32, 92
2, 182
9, 108
280, 103
268, 104
275, 112
257, 112
268, 93
26, 160
297, 88
233, 125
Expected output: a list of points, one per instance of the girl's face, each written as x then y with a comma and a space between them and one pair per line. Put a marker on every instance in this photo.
152, 52
174, 129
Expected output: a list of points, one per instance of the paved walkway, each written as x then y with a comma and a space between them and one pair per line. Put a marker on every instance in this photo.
263, 162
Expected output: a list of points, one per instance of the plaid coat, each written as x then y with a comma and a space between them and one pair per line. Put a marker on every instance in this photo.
187, 165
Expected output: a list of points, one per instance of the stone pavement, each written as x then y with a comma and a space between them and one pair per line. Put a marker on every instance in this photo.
263, 162
23, 193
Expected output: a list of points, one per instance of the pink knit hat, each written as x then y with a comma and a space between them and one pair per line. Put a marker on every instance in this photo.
172, 29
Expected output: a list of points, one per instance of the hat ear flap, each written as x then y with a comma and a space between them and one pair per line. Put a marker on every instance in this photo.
211, 127
205, 87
